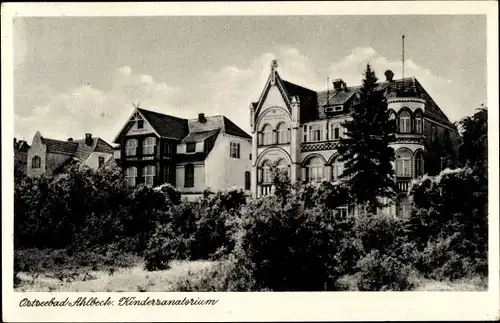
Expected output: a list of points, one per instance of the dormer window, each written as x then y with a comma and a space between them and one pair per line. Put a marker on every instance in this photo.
191, 147
337, 108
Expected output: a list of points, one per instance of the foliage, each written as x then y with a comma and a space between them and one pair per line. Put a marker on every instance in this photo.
382, 272
449, 221
365, 149
473, 150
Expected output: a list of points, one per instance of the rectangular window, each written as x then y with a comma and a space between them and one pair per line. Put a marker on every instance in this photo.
191, 147
315, 133
234, 150
247, 180
140, 124
305, 133
169, 174
131, 147
168, 148
342, 211
149, 175
100, 161
148, 147
337, 108
189, 175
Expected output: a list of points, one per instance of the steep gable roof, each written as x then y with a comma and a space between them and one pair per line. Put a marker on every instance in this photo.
217, 122
165, 125
60, 147
312, 105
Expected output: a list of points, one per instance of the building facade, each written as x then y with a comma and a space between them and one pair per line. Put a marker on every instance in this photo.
295, 129
49, 156
191, 154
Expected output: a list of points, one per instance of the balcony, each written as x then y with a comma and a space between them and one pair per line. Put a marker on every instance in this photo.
403, 184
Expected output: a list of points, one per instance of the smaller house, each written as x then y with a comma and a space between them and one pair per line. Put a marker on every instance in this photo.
49, 156
209, 152
20, 158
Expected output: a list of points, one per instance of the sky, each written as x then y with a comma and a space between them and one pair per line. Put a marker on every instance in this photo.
77, 75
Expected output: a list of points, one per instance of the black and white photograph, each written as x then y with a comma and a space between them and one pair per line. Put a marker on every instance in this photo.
271, 152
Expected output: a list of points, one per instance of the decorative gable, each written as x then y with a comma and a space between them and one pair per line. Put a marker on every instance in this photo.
139, 125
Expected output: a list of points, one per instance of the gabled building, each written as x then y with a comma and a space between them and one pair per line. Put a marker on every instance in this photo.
49, 156
191, 154
21, 148
295, 129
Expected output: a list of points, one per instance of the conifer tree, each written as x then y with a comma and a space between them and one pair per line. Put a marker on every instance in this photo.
365, 148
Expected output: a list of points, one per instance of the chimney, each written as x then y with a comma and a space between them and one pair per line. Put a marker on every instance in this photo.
70, 139
88, 139
201, 118
389, 75
338, 84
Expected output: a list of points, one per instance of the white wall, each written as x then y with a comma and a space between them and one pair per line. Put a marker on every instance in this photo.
222, 171
93, 159
199, 178
37, 149
181, 148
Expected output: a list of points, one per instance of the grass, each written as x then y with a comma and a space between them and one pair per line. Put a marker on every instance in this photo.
132, 279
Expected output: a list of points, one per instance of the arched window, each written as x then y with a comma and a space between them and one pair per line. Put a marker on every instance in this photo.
419, 164
148, 147
405, 122
283, 133
267, 135
337, 169
315, 170
316, 132
36, 162
283, 166
131, 175
335, 131
418, 123
189, 175
148, 173
267, 176
131, 147
403, 163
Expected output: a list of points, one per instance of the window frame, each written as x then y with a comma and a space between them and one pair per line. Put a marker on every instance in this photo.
149, 173
190, 144
402, 162
405, 122
234, 150
248, 180
133, 176
189, 175
283, 133
131, 150
36, 162
99, 163
148, 147
169, 177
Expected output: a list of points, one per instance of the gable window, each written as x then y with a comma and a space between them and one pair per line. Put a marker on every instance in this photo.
234, 150
337, 169
418, 124
315, 170
403, 163
283, 133
100, 161
148, 147
247, 180
36, 162
405, 122
189, 175
131, 147
190, 147
149, 175
130, 175
267, 135
168, 173
315, 133
140, 124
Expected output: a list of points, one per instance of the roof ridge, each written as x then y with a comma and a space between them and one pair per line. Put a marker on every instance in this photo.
162, 114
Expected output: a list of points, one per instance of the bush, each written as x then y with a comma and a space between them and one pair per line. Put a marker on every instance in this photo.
379, 272
283, 246
449, 224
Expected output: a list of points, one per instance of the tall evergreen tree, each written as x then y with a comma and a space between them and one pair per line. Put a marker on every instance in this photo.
365, 149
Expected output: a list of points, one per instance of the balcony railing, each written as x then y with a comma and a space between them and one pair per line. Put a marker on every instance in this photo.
403, 184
